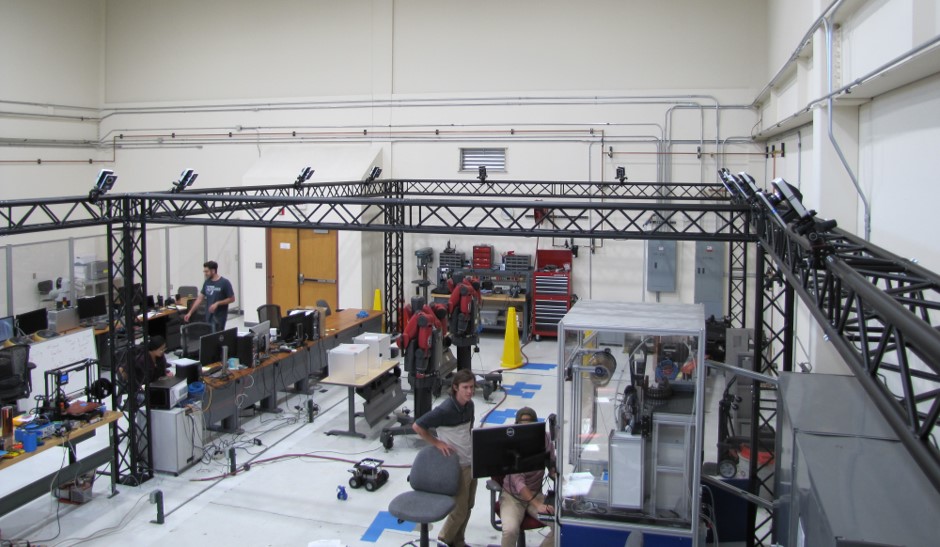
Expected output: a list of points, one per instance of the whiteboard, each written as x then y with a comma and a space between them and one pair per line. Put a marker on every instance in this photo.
54, 353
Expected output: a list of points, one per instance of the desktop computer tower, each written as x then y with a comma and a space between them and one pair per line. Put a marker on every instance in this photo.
245, 350
63, 320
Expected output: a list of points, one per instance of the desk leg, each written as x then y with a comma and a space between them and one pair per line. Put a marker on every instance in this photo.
352, 418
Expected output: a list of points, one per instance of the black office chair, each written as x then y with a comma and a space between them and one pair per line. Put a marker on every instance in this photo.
435, 479
324, 304
270, 312
15, 374
190, 333
188, 291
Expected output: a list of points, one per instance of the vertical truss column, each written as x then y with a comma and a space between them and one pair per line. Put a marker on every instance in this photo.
394, 259
773, 341
737, 283
131, 436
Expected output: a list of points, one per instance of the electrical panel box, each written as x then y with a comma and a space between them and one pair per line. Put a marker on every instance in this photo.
709, 277
631, 411
661, 265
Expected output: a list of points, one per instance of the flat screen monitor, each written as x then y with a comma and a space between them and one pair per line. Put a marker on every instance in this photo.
292, 328
92, 306
151, 302
311, 322
6, 328
508, 449
210, 346
33, 321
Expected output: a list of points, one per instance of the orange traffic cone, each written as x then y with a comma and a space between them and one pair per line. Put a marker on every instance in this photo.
512, 351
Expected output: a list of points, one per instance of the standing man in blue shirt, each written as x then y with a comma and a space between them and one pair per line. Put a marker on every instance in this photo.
218, 294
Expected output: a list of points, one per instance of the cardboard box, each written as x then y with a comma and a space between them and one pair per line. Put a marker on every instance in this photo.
379, 348
349, 362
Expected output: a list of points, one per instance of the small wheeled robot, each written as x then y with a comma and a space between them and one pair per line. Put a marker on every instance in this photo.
368, 473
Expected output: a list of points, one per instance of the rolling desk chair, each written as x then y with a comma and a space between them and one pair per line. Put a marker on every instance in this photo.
324, 304
15, 374
270, 312
188, 291
434, 479
190, 333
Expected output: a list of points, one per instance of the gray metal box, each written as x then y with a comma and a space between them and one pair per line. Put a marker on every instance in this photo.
661, 266
177, 439
709, 277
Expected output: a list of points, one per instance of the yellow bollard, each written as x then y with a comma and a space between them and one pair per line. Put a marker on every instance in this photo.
512, 351
377, 300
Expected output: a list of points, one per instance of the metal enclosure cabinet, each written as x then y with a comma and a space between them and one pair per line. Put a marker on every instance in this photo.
709, 277
177, 439
552, 290
661, 265
843, 477
631, 418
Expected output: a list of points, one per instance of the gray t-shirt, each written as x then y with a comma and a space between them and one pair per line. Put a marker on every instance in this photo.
453, 425
213, 291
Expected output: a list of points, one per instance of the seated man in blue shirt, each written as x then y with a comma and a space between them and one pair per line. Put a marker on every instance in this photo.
522, 493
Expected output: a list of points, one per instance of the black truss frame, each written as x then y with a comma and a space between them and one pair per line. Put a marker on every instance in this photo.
873, 305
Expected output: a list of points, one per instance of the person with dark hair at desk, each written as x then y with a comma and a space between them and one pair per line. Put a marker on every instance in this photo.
218, 294
522, 493
151, 363
453, 420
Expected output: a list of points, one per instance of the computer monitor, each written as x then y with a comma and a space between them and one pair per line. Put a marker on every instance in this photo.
151, 302
292, 328
505, 450
210, 345
311, 322
33, 321
92, 306
6, 328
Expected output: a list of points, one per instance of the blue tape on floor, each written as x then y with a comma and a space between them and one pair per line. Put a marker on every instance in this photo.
501, 416
504, 415
385, 521
522, 389
540, 366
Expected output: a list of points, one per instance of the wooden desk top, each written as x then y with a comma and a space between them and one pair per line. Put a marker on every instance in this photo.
339, 321
107, 418
363, 380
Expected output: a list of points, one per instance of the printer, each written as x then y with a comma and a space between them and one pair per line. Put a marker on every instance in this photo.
166, 392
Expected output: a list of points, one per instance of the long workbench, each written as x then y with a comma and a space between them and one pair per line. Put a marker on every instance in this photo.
76, 466
281, 371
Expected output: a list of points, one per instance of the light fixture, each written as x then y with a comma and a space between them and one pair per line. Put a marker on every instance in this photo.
187, 178
482, 175
303, 177
374, 174
105, 182
621, 173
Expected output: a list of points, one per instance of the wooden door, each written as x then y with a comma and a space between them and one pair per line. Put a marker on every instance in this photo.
318, 267
303, 268
283, 253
